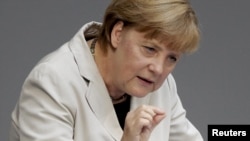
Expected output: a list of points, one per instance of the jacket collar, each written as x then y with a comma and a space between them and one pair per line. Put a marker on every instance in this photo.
97, 94
83, 57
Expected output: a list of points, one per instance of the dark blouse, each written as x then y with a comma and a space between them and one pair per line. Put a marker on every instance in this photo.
121, 110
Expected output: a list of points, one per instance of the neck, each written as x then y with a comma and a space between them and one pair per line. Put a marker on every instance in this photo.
120, 100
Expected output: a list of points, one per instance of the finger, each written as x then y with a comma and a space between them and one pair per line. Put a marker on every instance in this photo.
158, 111
157, 115
148, 109
145, 115
148, 112
157, 119
153, 114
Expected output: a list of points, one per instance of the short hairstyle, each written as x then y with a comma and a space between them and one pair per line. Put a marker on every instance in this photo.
173, 21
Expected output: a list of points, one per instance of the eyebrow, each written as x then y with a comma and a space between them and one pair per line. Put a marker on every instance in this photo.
152, 43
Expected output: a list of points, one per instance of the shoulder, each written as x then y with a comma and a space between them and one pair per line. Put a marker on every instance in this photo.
56, 76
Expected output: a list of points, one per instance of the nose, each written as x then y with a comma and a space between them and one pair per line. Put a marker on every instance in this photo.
156, 66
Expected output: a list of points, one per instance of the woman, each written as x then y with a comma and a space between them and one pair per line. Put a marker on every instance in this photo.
113, 81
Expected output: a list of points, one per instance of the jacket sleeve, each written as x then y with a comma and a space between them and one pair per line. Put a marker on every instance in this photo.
43, 112
181, 129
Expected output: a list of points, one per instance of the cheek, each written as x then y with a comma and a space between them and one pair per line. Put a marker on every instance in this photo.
129, 50
131, 56
128, 47
125, 65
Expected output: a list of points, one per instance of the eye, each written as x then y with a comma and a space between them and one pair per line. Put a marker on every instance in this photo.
173, 58
149, 50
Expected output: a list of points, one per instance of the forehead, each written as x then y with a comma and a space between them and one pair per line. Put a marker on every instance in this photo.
153, 37
183, 42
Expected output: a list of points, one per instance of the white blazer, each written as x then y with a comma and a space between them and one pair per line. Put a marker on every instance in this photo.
65, 99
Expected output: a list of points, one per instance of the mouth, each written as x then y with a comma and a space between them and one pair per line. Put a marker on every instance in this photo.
145, 80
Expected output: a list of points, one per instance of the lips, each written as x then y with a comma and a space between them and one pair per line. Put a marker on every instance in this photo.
145, 80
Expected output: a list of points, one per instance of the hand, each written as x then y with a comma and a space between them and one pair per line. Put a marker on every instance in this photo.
140, 123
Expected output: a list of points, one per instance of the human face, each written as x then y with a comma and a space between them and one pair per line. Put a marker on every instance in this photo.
140, 64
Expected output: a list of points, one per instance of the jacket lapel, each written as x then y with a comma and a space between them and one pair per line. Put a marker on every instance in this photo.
97, 95
100, 103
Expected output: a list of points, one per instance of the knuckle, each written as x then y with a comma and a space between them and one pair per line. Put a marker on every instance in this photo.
143, 106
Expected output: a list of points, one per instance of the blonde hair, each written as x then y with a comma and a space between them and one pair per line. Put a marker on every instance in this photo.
173, 21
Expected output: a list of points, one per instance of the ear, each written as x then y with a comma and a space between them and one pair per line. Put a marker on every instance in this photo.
116, 34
